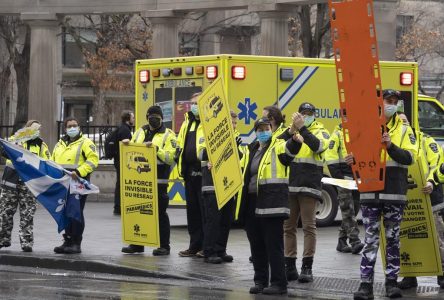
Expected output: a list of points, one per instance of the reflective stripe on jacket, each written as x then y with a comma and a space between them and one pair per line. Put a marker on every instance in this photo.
79, 155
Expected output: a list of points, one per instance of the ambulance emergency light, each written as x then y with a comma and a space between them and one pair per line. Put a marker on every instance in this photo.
211, 72
406, 78
238, 72
144, 76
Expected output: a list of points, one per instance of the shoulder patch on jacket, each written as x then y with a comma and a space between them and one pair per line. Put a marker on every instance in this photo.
412, 138
331, 145
173, 143
92, 147
434, 147
201, 140
325, 135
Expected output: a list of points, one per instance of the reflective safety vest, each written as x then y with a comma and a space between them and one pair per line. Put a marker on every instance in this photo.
165, 141
79, 155
272, 178
306, 168
10, 177
188, 125
402, 153
335, 155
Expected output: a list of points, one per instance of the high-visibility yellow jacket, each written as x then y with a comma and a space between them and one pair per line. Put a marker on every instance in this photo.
165, 141
429, 155
272, 178
306, 168
79, 155
402, 153
189, 125
10, 177
335, 155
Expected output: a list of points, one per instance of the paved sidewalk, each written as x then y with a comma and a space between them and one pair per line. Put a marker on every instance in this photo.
336, 274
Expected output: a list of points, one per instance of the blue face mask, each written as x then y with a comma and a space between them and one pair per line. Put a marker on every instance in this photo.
195, 110
263, 136
308, 120
389, 110
73, 131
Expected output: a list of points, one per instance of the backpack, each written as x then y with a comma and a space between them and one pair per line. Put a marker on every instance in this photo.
111, 144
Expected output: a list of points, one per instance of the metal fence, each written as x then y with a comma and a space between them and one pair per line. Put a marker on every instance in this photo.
97, 134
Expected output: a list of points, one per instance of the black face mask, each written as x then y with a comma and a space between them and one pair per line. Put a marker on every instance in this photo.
154, 122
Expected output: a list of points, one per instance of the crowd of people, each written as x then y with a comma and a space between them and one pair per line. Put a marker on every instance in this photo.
282, 171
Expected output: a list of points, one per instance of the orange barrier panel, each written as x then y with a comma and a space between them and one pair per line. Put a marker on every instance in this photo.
359, 86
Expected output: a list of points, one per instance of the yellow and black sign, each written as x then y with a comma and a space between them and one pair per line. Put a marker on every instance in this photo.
138, 195
419, 251
220, 144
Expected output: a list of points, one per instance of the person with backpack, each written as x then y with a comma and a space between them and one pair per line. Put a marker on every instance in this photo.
123, 132
155, 134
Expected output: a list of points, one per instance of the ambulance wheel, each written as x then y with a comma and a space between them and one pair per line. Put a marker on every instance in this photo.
139, 170
327, 210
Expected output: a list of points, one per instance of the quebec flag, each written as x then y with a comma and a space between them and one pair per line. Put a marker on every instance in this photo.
49, 183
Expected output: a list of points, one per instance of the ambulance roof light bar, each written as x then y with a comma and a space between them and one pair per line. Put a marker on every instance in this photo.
238, 72
406, 78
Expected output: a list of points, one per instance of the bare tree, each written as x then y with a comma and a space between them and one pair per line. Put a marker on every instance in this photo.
310, 26
119, 40
17, 38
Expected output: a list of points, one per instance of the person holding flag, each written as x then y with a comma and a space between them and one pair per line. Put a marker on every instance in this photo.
16, 193
75, 153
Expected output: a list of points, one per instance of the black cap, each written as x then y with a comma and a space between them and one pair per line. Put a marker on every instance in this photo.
261, 121
389, 93
307, 106
154, 110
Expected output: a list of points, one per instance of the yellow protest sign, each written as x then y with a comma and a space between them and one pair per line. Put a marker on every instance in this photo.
138, 195
220, 143
419, 251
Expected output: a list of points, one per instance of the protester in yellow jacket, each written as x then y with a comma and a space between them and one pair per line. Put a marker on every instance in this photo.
15, 193
75, 153
164, 139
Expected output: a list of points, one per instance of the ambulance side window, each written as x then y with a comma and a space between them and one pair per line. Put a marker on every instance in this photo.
431, 118
162, 95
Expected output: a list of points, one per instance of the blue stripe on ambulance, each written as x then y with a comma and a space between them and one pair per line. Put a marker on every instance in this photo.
295, 86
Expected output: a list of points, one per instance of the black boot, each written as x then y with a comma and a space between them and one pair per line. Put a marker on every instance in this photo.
408, 283
365, 292
74, 248
67, 242
290, 269
306, 272
257, 288
391, 289
356, 247
343, 246
440, 281
133, 249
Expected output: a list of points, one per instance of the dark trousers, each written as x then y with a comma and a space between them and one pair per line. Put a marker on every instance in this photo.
75, 228
266, 237
217, 225
193, 195
117, 189
164, 220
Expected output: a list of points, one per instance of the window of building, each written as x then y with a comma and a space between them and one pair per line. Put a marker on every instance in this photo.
403, 25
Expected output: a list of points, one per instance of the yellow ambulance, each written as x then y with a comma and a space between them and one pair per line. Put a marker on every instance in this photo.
253, 82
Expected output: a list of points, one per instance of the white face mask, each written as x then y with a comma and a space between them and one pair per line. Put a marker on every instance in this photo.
308, 120
389, 110
73, 131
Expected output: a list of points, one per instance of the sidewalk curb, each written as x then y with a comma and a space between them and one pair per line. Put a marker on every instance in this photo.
78, 265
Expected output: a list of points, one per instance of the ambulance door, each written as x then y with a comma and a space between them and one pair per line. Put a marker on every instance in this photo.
249, 93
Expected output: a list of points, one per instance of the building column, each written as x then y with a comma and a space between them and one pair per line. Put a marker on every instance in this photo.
165, 36
385, 22
43, 104
274, 33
